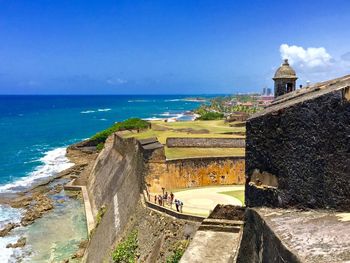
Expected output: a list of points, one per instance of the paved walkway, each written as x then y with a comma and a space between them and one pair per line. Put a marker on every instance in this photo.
201, 201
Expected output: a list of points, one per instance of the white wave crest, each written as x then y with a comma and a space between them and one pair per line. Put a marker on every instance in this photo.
53, 162
173, 100
87, 111
167, 114
107, 109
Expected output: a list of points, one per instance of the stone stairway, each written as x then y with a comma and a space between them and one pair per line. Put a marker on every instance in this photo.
221, 225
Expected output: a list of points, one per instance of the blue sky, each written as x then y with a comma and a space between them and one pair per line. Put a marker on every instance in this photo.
167, 47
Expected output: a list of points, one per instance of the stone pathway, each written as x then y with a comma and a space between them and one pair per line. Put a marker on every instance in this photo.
202, 200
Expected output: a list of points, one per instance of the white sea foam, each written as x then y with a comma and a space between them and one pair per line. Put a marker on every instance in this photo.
189, 100
87, 111
168, 114
154, 119
173, 100
7, 253
7, 215
107, 109
53, 162
171, 117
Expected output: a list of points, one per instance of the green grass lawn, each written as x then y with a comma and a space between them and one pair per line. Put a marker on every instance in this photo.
163, 130
179, 153
207, 186
217, 129
239, 194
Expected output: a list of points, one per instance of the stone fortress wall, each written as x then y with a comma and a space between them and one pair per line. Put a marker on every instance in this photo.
205, 142
194, 172
297, 176
115, 182
125, 166
298, 152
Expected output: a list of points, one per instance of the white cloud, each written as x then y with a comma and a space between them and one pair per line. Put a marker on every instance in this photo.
309, 59
315, 63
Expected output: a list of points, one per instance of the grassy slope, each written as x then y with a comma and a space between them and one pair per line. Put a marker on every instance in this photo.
239, 194
179, 153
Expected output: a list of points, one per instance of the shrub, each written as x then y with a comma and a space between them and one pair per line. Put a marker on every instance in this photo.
100, 146
129, 124
211, 116
125, 252
180, 248
100, 214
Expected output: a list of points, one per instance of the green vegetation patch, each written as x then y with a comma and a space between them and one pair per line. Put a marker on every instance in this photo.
207, 116
129, 124
239, 194
100, 146
179, 250
100, 214
126, 251
162, 130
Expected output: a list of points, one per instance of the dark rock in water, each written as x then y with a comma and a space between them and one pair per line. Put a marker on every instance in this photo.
58, 188
7, 229
20, 243
82, 246
22, 201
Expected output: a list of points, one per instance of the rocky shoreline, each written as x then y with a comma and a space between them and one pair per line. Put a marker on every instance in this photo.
38, 200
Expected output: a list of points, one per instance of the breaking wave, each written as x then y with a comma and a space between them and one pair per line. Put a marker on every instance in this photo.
53, 162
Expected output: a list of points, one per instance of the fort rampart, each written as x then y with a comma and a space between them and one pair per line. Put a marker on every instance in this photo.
195, 172
205, 142
298, 153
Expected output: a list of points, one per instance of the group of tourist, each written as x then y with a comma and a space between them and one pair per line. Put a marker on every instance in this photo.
169, 199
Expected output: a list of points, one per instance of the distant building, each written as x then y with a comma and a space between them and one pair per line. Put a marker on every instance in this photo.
268, 92
285, 79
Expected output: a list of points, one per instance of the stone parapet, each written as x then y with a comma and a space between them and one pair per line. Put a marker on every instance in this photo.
185, 142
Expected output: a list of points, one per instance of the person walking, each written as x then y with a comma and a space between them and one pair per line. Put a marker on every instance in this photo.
177, 205
180, 205
165, 197
171, 199
160, 200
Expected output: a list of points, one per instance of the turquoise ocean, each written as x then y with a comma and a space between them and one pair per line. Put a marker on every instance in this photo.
35, 131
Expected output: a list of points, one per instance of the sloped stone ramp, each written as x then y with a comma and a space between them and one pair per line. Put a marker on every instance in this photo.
217, 240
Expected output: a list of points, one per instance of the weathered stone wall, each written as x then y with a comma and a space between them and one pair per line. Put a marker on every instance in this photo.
115, 182
117, 179
205, 142
260, 244
304, 149
194, 172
